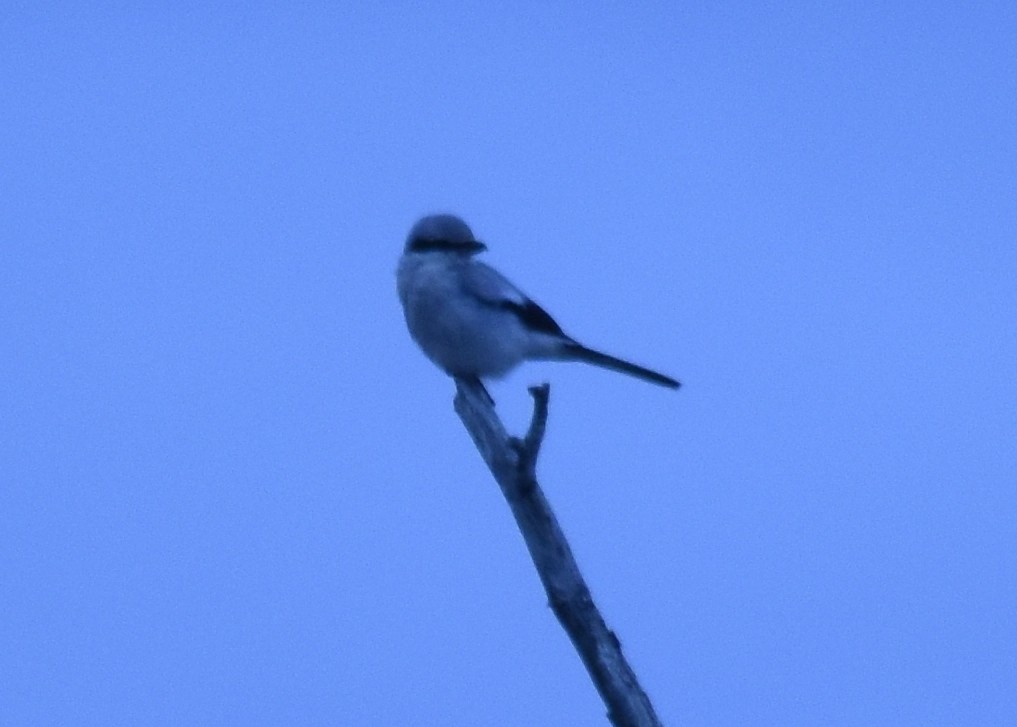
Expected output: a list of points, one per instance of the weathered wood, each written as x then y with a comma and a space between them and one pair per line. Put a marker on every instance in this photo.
513, 463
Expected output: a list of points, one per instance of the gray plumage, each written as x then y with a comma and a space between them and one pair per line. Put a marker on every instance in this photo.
470, 320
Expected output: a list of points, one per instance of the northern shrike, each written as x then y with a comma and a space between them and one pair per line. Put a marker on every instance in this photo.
470, 320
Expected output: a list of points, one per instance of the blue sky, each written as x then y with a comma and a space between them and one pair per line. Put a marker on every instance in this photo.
233, 492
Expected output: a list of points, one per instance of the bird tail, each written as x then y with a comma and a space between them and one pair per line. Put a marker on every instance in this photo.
579, 352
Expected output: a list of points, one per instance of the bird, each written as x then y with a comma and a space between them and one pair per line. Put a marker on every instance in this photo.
471, 321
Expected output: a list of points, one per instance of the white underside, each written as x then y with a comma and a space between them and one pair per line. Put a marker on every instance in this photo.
462, 335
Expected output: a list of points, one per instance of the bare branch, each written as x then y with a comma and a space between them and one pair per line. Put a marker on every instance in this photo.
513, 463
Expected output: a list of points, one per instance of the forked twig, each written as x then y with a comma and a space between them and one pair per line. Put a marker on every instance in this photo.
513, 462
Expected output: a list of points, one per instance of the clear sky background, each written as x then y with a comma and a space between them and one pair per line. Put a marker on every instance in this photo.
233, 492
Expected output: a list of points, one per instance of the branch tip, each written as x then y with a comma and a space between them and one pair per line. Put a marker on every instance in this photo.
529, 447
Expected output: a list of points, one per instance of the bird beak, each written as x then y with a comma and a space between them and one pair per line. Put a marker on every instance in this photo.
476, 247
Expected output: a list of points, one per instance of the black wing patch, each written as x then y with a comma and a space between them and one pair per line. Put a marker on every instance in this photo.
534, 317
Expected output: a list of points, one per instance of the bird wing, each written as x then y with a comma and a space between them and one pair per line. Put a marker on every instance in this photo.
492, 288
